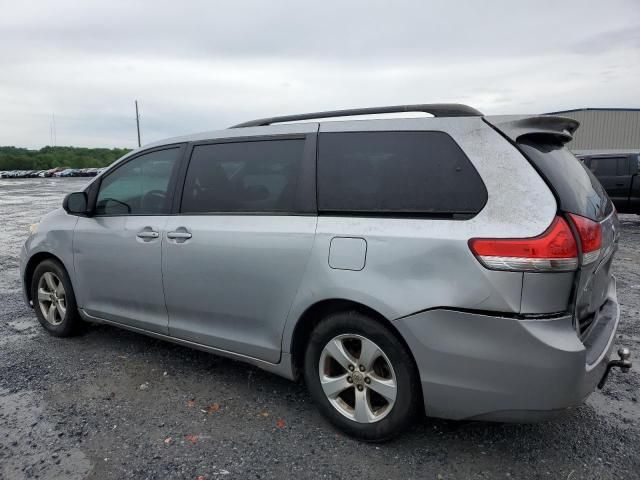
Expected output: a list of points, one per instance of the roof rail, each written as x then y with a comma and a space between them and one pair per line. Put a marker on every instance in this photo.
435, 109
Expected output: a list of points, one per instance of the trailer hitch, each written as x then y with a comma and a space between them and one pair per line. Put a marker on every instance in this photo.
624, 364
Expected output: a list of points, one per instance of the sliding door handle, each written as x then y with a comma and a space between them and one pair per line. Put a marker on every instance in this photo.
179, 235
148, 234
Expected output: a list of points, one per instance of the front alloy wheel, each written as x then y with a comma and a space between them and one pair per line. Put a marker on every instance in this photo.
52, 298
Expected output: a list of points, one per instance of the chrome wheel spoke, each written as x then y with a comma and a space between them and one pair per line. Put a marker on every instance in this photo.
333, 386
50, 281
43, 295
51, 313
60, 289
383, 387
62, 309
362, 411
335, 349
369, 352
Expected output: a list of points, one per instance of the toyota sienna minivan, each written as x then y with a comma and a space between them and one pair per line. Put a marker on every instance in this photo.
457, 264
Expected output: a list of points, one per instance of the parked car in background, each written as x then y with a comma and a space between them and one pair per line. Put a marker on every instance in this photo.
619, 173
87, 172
458, 265
53, 172
63, 173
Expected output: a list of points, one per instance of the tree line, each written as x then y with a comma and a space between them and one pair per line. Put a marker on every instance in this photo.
15, 158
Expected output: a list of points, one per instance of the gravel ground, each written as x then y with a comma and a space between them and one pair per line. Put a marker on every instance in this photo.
114, 404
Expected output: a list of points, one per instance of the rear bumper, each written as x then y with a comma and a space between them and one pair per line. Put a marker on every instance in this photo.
489, 367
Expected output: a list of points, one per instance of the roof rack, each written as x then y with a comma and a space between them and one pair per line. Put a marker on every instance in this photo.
435, 109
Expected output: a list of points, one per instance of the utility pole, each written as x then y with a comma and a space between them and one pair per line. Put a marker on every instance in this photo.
138, 123
53, 139
55, 133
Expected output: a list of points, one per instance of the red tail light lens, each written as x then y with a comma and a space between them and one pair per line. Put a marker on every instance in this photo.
553, 251
590, 233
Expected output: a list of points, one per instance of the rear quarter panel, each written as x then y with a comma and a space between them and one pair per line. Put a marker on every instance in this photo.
417, 264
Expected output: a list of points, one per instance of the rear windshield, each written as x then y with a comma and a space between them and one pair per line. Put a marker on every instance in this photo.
577, 190
411, 173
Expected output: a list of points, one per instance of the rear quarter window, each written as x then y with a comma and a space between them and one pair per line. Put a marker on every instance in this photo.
577, 189
411, 173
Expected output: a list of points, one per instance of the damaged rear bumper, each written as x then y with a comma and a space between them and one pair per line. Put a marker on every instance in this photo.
490, 367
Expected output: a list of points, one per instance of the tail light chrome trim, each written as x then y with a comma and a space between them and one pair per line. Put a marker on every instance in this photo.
515, 264
590, 257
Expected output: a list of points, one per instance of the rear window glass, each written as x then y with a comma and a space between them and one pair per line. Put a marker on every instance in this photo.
576, 188
258, 176
396, 172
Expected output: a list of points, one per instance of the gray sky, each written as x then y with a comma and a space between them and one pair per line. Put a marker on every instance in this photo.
204, 65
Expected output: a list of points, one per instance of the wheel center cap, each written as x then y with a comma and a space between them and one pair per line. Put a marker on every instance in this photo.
358, 378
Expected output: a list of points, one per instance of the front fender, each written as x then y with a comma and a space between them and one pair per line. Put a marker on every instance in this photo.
53, 238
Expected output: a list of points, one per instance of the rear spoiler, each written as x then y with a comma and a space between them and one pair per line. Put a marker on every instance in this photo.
517, 126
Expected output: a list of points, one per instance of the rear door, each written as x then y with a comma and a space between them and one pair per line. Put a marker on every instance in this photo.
614, 175
235, 254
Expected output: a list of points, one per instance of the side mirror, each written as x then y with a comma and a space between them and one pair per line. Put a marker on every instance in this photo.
75, 203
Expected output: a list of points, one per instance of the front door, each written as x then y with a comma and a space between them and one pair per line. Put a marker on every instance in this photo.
117, 251
234, 257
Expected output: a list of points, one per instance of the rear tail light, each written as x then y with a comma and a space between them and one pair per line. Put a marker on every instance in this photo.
590, 234
553, 251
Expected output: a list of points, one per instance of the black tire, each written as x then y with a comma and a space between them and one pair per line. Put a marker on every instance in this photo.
69, 324
408, 401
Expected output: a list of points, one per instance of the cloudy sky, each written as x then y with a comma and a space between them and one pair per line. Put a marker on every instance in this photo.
204, 65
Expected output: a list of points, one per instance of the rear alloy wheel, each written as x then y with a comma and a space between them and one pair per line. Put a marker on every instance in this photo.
54, 300
361, 376
357, 378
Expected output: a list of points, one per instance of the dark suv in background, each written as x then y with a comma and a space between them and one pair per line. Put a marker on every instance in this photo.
618, 172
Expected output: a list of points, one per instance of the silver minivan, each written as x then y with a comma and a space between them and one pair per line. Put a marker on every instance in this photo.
457, 264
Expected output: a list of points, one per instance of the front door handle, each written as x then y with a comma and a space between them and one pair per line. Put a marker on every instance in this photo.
148, 234
179, 235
